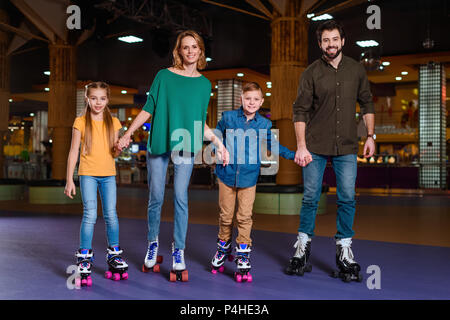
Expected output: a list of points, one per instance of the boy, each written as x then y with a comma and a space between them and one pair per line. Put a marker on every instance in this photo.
239, 177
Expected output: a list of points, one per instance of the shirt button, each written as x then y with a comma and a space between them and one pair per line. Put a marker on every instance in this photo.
337, 97
338, 122
337, 136
337, 83
338, 109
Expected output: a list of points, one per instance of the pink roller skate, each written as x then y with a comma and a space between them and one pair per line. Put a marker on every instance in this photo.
85, 258
243, 263
223, 252
117, 266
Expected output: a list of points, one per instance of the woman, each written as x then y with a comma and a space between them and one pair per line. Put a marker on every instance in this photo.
177, 101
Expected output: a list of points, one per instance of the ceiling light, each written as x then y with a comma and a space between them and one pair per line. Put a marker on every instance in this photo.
385, 63
398, 78
404, 73
325, 16
10, 100
130, 39
310, 15
47, 73
32, 114
268, 94
123, 91
240, 74
208, 59
367, 43
47, 89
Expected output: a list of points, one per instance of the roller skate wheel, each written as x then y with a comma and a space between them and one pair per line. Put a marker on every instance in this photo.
108, 275
159, 259
116, 277
184, 276
308, 268
249, 278
172, 277
145, 269
83, 282
125, 276
300, 272
360, 278
244, 277
334, 274
238, 277
347, 277
89, 281
213, 271
156, 268
221, 269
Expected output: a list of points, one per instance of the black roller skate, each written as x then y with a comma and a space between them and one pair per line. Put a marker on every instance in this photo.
178, 272
152, 260
243, 263
117, 267
85, 258
348, 269
223, 253
298, 264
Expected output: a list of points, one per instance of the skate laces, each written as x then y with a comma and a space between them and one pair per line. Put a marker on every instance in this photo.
152, 250
346, 252
300, 244
177, 255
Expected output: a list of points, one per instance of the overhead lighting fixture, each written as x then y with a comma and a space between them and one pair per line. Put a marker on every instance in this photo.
404, 73
310, 15
212, 94
47, 73
10, 100
123, 91
47, 89
130, 118
325, 16
367, 43
268, 94
208, 59
398, 78
130, 39
240, 74
385, 63
32, 114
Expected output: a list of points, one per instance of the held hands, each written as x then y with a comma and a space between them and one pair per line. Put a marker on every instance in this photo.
302, 157
70, 189
223, 154
122, 143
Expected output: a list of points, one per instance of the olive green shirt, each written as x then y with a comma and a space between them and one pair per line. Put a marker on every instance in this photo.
326, 102
178, 105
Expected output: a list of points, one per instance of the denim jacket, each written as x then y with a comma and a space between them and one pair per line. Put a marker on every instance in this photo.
243, 139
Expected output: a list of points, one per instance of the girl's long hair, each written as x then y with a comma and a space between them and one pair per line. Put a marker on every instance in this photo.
107, 119
178, 60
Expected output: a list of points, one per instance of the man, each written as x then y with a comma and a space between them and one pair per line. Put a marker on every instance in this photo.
325, 127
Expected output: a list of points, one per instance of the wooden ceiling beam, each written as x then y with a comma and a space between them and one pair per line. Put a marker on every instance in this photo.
236, 9
257, 4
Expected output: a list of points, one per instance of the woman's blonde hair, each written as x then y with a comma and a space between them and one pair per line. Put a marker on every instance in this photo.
178, 60
107, 118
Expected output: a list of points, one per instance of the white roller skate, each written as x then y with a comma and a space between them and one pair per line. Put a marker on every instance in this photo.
243, 263
85, 258
152, 260
298, 264
117, 267
223, 252
178, 271
348, 268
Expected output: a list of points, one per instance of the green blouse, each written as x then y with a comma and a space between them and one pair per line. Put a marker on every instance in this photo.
178, 105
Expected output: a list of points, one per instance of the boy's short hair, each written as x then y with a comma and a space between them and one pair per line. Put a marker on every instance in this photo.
329, 25
251, 86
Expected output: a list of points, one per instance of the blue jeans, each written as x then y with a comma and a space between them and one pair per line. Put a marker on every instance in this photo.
107, 187
345, 169
157, 168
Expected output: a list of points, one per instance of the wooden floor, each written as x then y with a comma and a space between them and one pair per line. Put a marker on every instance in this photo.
413, 219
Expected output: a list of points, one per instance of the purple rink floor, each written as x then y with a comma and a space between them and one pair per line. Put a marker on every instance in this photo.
36, 250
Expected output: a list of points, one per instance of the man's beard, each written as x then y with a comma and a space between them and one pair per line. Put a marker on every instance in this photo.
331, 56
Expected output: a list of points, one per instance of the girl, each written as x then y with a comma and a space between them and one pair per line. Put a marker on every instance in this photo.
96, 131
177, 101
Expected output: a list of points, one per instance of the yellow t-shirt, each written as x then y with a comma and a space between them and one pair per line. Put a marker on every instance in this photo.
99, 162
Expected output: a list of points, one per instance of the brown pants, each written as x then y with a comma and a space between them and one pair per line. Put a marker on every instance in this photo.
227, 201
